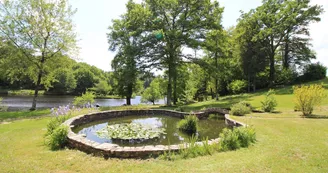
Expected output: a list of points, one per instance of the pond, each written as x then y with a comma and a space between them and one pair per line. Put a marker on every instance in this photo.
24, 102
207, 128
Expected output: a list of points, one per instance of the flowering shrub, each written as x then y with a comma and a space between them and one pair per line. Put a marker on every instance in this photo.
307, 97
55, 137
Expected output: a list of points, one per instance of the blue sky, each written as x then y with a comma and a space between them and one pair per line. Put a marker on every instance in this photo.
94, 17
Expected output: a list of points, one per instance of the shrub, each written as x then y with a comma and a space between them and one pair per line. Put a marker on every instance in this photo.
55, 123
286, 76
192, 149
85, 100
229, 140
58, 138
233, 139
269, 103
2, 107
246, 136
314, 71
240, 109
189, 124
238, 86
307, 97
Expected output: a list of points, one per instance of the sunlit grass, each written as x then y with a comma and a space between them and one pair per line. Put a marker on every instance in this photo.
286, 142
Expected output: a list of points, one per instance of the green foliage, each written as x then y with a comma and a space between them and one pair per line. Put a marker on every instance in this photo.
270, 103
58, 138
23, 92
64, 81
238, 86
42, 32
314, 72
286, 76
153, 92
85, 79
84, 100
54, 123
308, 97
102, 88
240, 109
192, 149
128, 131
233, 139
2, 107
189, 124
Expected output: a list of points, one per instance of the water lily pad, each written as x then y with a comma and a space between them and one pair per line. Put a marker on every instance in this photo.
130, 131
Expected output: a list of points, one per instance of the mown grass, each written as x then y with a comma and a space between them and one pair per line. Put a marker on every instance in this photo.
283, 145
23, 92
286, 142
6, 116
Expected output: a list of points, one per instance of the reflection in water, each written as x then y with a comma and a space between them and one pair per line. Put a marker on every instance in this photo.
207, 128
25, 102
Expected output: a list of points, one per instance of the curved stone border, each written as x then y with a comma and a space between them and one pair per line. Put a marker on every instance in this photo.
112, 150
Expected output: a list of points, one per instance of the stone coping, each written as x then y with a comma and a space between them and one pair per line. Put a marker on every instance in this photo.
107, 150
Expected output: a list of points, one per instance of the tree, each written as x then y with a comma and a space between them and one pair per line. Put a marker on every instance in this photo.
102, 88
125, 38
178, 24
153, 92
64, 81
249, 52
85, 79
40, 29
280, 20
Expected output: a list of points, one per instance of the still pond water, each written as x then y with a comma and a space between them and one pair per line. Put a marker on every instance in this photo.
207, 128
25, 102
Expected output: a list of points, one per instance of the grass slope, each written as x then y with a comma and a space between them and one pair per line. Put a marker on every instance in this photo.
286, 143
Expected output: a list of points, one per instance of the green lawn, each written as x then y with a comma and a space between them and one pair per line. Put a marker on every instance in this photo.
286, 143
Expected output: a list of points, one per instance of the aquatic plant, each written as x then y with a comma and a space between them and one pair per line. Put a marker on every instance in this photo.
130, 131
189, 124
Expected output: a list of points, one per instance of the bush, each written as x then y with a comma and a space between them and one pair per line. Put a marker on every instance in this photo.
55, 123
240, 109
192, 149
269, 103
313, 72
85, 100
307, 97
233, 139
58, 138
2, 107
238, 86
189, 124
286, 76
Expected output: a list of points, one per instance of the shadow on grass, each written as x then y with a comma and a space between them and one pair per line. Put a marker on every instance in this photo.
317, 117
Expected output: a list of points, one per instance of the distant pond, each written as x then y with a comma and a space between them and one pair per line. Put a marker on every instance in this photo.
24, 102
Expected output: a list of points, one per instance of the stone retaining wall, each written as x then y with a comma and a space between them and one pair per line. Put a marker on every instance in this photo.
112, 150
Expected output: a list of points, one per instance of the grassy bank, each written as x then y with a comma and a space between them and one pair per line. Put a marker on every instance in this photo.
19, 92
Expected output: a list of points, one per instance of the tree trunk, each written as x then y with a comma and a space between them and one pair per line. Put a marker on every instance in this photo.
175, 97
272, 70
216, 78
169, 88
249, 82
36, 91
129, 94
286, 58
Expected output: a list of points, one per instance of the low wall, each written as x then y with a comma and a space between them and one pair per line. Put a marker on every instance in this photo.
112, 150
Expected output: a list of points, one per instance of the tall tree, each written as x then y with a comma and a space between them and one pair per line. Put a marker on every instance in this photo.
179, 24
279, 20
41, 30
125, 38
